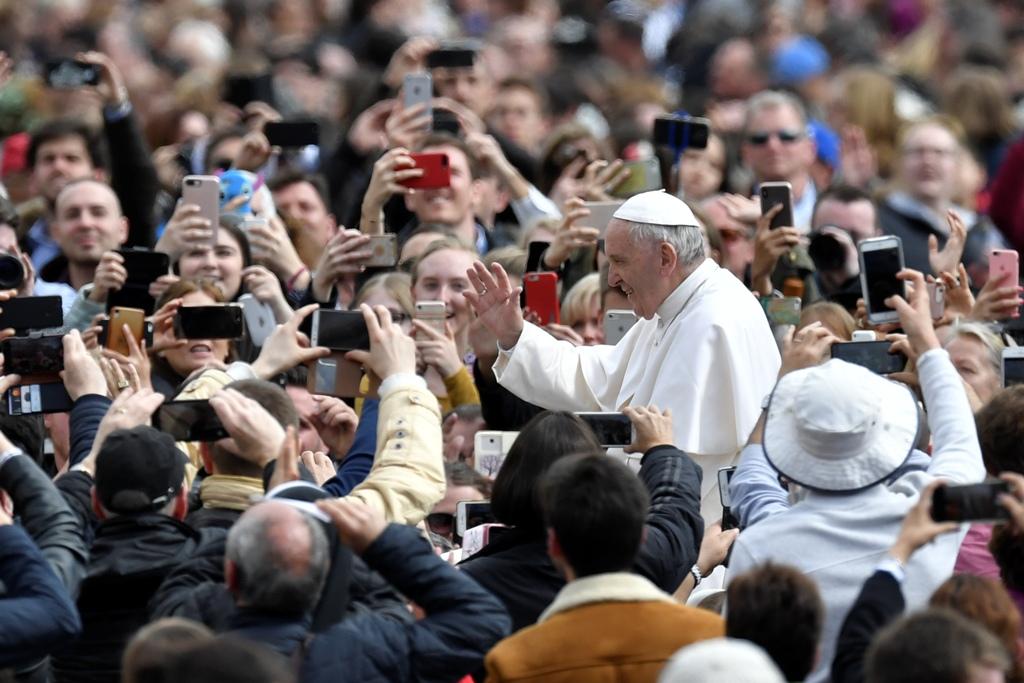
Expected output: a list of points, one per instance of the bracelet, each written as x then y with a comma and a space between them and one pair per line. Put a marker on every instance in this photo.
695, 573
291, 281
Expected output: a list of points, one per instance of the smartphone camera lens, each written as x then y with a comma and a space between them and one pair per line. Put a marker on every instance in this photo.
12, 273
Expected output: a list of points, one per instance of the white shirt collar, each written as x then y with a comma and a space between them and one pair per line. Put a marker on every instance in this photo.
675, 302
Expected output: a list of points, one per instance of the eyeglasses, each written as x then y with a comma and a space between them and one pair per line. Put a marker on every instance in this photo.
441, 523
786, 137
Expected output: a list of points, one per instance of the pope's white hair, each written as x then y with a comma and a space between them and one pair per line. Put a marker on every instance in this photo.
687, 240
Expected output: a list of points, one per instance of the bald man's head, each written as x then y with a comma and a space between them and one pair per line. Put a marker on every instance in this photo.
276, 559
88, 221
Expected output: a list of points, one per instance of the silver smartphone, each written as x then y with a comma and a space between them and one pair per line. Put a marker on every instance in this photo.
600, 215
881, 258
418, 89
259, 318
204, 192
616, 324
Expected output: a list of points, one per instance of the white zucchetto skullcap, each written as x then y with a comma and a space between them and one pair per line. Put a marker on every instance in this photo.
656, 208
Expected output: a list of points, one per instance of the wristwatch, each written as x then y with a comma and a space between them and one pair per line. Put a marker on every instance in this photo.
697, 578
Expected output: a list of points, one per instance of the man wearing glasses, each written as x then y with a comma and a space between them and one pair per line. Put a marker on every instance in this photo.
777, 147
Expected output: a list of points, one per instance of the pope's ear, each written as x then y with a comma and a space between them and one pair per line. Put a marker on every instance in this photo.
668, 257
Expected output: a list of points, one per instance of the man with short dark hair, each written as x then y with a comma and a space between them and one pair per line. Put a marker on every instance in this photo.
778, 608
606, 622
843, 217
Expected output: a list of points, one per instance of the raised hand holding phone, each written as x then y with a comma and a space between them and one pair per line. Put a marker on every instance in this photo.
915, 314
769, 246
653, 427
391, 350
918, 526
255, 435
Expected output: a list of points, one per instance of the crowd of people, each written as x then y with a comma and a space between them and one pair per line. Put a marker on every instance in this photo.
199, 483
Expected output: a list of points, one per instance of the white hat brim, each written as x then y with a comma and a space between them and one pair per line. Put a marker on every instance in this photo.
888, 446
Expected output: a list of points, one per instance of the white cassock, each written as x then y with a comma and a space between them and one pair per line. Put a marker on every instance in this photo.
708, 354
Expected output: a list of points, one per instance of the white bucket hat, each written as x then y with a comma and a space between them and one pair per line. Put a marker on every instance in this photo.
721, 660
839, 427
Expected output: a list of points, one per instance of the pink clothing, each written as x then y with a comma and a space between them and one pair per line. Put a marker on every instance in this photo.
974, 557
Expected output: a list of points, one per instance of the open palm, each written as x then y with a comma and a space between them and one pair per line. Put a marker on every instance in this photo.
496, 302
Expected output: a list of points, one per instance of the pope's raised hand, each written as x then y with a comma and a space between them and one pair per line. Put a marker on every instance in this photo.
496, 302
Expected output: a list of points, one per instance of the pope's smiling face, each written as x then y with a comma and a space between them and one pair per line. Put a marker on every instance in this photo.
635, 267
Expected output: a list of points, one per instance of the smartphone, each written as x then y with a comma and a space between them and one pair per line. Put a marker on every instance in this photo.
340, 330
259, 318
433, 313
143, 267
134, 318
881, 258
451, 58
542, 296
1003, 266
31, 313
220, 321
616, 324
32, 399
782, 311
681, 132
490, 450
773, 194
335, 376
937, 299
383, 251
292, 134
436, 173
864, 336
612, 429
644, 176
28, 356
601, 214
469, 514
190, 421
241, 90
147, 333
724, 477
534, 254
418, 89
970, 503
873, 355
1013, 366
204, 192
69, 74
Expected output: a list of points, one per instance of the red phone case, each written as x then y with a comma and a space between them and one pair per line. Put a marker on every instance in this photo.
542, 296
435, 171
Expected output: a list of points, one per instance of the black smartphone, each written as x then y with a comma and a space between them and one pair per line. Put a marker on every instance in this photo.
611, 429
729, 520
536, 251
147, 333
451, 57
31, 313
143, 267
970, 503
68, 74
873, 355
444, 121
773, 194
881, 260
292, 133
190, 421
33, 355
681, 132
241, 90
223, 321
33, 399
340, 330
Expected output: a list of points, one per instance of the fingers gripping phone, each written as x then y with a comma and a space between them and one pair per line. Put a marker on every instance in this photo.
33, 356
436, 173
433, 314
134, 318
873, 355
190, 421
881, 258
31, 313
542, 296
613, 430
418, 89
340, 330
220, 321
1003, 266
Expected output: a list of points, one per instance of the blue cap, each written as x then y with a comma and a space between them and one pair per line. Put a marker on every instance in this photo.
828, 143
799, 60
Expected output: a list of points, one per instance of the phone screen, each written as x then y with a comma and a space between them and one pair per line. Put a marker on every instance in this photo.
536, 251
209, 322
880, 269
68, 74
144, 267
32, 313
33, 355
772, 196
190, 421
341, 330
292, 133
873, 355
472, 514
451, 58
724, 477
1013, 371
974, 502
611, 429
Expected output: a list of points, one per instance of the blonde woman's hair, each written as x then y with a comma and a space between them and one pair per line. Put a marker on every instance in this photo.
440, 244
581, 299
831, 315
983, 333
398, 285
512, 259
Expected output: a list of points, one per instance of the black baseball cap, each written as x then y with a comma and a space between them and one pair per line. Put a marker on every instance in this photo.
138, 470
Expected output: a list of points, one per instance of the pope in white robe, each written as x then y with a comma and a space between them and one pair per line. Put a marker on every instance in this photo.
702, 348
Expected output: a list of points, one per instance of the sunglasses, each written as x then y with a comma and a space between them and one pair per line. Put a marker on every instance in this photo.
786, 137
441, 523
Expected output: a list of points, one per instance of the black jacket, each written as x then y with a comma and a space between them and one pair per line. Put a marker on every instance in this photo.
913, 231
518, 570
880, 602
463, 622
47, 518
133, 178
501, 409
131, 555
